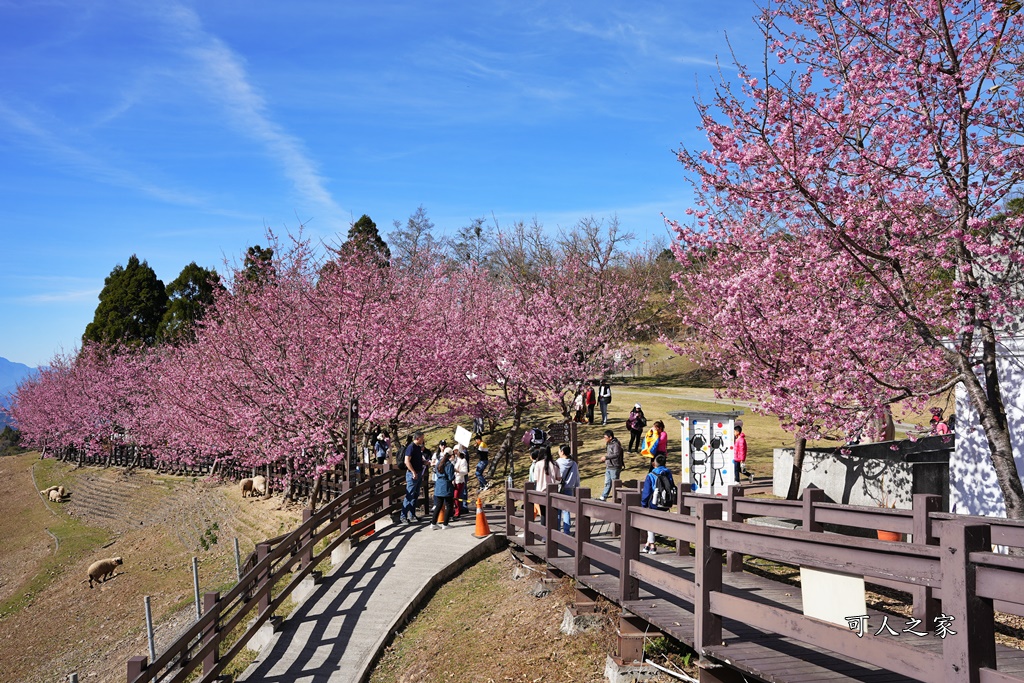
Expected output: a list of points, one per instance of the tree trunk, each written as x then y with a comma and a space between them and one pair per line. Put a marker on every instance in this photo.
289, 481
798, 466
505, 454
314, 496
988, 402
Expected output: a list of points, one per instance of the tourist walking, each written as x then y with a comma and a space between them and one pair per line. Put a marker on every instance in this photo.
635, 423
543, 472
604, 397
613, 461
461, 472
659, 493
569, 474
590, 399
381, 447
412, 458
482, 455
444, 489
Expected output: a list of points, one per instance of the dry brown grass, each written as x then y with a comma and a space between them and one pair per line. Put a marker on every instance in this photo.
52, 624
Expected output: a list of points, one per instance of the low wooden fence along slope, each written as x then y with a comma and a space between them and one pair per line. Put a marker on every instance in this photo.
270, 575
747, 627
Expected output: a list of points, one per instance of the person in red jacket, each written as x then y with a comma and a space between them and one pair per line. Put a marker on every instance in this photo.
739, 453
590, 398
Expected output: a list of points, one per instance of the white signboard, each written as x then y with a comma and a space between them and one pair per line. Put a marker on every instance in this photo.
831, 596
463, 436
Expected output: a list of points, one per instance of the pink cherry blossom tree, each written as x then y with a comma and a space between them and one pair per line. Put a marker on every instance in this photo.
850, 221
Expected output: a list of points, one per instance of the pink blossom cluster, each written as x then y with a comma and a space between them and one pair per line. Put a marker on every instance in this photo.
856, 241
281, 353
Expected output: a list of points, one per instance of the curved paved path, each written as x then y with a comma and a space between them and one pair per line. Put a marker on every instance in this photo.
337, 633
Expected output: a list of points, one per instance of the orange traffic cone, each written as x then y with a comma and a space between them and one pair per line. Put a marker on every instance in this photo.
483, 530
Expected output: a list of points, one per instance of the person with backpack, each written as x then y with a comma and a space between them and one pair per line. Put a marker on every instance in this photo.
659, 493
613, 462
444, 489
635, 423
604, 397
569, 472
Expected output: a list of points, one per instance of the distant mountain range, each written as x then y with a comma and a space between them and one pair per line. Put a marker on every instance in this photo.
11, 375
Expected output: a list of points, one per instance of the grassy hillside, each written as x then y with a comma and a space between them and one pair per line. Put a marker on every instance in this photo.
51, 622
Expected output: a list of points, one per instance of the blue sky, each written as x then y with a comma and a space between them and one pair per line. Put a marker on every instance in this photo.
182, 131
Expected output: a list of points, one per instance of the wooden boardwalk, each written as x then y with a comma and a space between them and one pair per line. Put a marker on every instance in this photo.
764, 634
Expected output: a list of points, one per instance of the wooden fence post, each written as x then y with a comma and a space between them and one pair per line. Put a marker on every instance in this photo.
550, 523
683, 548
733, 559
510, 510
616, 527
970, 644
262, 550
528, 516
211, 603
306, 556
926, 607
812, 495
707, 578
629, 548
582, 533
136, 667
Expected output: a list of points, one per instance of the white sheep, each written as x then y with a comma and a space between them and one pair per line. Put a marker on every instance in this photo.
259, 486
62, 491
101, 570
55, 495
46, 491
247, 487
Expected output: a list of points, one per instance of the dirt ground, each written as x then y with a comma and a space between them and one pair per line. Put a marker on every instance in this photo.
51, 622
487, 625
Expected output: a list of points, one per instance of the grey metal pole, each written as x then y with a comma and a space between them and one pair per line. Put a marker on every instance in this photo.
195, 585
238, 559
72, 678
149, 631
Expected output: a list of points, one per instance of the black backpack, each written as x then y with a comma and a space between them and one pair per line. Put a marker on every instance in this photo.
538, 437
664, 495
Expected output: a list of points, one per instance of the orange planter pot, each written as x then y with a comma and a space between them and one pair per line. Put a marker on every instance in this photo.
889, 535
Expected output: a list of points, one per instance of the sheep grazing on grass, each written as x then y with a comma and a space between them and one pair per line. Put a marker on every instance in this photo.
101, 570
55, 496
46, 491
247, 488
259, 486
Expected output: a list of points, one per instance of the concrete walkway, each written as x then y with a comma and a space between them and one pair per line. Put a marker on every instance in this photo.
337, 634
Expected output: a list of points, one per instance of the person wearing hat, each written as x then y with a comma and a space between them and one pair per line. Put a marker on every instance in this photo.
635, 423
381, 447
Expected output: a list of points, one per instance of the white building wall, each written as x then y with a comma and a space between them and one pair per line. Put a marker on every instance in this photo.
973, 488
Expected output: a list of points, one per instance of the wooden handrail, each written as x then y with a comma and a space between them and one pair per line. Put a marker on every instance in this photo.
369, 500
950, 559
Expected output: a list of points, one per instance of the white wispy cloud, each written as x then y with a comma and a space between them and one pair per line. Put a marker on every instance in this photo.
227, 80
77, 159
70, 296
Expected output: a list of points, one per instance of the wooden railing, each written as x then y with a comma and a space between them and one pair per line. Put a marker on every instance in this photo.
949, 567
259, 591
